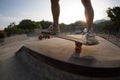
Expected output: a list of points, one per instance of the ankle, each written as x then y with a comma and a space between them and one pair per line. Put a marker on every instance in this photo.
55, 25
90, 33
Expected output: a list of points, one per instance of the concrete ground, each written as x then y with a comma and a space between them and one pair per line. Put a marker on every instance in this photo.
11, 68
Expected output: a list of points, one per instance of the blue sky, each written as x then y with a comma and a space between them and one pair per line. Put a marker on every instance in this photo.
37, 10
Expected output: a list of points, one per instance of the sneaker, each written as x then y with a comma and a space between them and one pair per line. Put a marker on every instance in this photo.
86, 32
90, 33
91, 40
54, 29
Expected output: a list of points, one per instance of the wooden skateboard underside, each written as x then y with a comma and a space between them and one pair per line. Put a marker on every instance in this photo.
78, 42
70, 38
63, 37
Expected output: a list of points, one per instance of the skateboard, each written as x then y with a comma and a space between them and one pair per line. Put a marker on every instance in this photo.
78, 42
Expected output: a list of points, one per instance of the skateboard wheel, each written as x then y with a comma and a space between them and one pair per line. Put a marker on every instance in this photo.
40, 37
48, 36
77, 49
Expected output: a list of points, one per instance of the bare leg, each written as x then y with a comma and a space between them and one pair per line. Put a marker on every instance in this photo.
55, 11
89, 13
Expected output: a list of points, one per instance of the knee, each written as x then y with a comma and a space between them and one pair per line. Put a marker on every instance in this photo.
86, 3
54, 2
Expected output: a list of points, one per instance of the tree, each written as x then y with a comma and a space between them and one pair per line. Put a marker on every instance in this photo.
11, 25
62, 26
27, 24
114, 15
45, 24
1, 36
13, 30
38, 25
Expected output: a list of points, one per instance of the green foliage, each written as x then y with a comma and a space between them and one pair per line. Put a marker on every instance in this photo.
45, 24
102, 26
25, 26
80, 23
1, 36
28, 26
38, 25
114, 15
62, 26
13, 30
112, 25
11, 25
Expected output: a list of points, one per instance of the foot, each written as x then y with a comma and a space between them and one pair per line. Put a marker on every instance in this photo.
86, 32
90, 38
54, 29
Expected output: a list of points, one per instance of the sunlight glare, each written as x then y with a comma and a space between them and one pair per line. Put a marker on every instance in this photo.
70, 11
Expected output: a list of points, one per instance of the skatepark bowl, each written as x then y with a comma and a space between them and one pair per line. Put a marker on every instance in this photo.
55, 59
97, 71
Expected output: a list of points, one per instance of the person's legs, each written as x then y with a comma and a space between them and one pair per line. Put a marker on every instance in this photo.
55, 13
89, 14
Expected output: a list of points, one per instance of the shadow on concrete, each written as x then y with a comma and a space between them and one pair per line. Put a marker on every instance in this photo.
84, 60
88, 65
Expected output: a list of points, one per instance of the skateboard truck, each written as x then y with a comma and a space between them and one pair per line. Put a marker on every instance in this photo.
45, 36
78, 47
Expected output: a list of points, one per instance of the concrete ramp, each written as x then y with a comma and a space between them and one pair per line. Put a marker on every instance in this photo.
15, 38
102, 60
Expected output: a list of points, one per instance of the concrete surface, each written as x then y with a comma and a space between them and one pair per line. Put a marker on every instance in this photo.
64, 49
13, 68
15, 38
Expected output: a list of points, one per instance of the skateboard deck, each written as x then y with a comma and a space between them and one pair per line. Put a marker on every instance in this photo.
65, 37
78, 42
70, 38
85, 42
